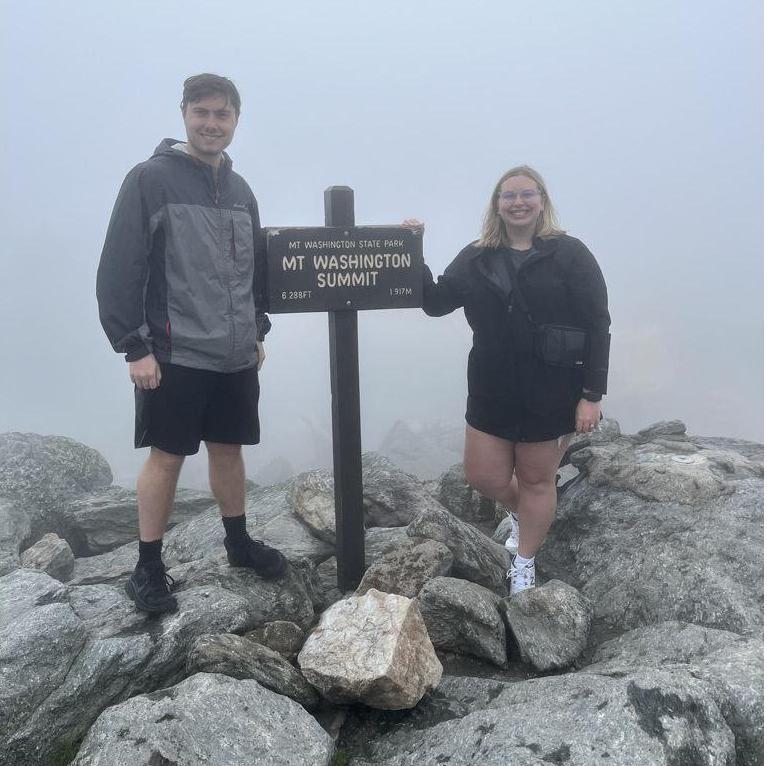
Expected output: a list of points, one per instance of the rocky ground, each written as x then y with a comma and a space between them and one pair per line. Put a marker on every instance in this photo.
642, 643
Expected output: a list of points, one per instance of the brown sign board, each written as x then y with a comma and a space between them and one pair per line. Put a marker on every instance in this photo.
337, 268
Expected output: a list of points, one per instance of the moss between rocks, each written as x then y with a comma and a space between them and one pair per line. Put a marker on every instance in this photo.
65, 752
340, 758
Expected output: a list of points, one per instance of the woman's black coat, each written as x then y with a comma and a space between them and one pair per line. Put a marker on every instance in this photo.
512, 394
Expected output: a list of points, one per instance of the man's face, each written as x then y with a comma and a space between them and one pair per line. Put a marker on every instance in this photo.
210, 124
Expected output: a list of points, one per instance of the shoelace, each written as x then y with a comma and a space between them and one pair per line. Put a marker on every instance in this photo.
526, 573
161, 577
250, 541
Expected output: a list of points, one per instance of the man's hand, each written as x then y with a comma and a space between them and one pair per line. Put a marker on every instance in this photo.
587, 416
261, 354
145, 372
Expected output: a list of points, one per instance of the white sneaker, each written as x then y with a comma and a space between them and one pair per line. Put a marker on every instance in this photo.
512, 541
520, 578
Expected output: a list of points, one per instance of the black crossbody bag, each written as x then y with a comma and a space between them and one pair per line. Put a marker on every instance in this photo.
557, 345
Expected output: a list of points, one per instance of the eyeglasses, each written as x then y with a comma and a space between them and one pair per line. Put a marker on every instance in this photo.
525, 196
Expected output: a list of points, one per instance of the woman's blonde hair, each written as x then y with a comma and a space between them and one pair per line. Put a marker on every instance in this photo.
493, 229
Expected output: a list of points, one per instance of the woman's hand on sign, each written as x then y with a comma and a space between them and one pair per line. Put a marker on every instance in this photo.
587, 415
413, 223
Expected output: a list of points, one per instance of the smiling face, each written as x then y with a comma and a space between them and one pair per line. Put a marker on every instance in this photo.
520, 202
210, 124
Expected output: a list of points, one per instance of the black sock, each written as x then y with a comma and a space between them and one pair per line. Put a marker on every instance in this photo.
236, 531
149, 553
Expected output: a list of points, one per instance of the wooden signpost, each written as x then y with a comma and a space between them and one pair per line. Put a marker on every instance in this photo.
340, 268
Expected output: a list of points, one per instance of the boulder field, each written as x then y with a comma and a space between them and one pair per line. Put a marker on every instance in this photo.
641, 644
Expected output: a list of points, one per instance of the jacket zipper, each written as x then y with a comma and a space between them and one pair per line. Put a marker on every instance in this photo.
233, 245
229, 278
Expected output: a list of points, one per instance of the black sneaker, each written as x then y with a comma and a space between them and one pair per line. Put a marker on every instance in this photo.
263, 560
149, 587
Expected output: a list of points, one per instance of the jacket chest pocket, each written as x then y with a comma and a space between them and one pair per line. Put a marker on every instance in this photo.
240, 244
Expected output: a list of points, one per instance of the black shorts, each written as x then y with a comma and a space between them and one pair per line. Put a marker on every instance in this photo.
191, 406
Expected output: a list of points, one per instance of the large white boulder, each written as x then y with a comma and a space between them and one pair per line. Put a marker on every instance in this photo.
372, 649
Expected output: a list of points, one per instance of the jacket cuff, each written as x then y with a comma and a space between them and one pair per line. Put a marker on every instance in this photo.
595, 372
263, 325
135, 351
595, 381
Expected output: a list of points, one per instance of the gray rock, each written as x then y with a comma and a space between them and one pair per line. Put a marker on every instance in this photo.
502, 531
379, 541
736, 677
476, 557
464, 617
238, 657
643, 561
663, 471
269, 518
37, 650
109, 568
328, 591
565, 475
103, 521
282, 636
662, 429
432, 487
286, 598
607, 431
51, 555
312, 498
749, 450
45, 471
69, 652
461, 499
294, 539
382, 540
650, 718
372, 649
680, 518
731, 665
550, 624
656, 646
17, 520
407, 569
206, 718
23, 590
392, 498
697, 558
115, 567
122, 654
38, 475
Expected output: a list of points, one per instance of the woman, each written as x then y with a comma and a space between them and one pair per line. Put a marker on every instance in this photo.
522, 276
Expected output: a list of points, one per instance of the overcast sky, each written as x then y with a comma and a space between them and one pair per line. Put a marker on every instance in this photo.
645, 118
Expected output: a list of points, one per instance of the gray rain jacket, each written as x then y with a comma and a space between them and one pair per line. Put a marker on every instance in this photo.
183, 270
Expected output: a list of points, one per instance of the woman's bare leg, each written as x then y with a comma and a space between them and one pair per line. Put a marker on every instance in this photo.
513, 494
489, 466
536, 471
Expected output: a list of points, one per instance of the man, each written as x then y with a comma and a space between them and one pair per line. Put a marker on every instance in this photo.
181, 292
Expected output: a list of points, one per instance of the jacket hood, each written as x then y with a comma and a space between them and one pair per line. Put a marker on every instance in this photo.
169, 147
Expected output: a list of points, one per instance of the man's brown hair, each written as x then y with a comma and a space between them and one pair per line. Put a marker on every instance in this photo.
201, 86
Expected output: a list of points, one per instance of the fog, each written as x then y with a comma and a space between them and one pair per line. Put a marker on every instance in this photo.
645, 118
